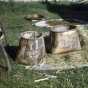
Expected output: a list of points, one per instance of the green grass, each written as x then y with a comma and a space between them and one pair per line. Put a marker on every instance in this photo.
12, 16
22, 78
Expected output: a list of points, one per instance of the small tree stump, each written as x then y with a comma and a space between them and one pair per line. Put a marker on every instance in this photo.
31, 48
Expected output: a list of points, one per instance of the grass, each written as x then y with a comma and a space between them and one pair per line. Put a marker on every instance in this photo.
22, 78
12, 16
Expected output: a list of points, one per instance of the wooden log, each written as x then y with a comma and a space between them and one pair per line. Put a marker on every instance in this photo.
31, 48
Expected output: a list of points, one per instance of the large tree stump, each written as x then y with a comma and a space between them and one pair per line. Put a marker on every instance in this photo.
31, 48
64, 40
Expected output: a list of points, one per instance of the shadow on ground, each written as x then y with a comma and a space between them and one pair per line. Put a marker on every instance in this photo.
73, 12
48, 45
12, 51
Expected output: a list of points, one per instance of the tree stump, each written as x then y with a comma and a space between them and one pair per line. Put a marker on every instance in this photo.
64, 40
4, 60
31, 48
